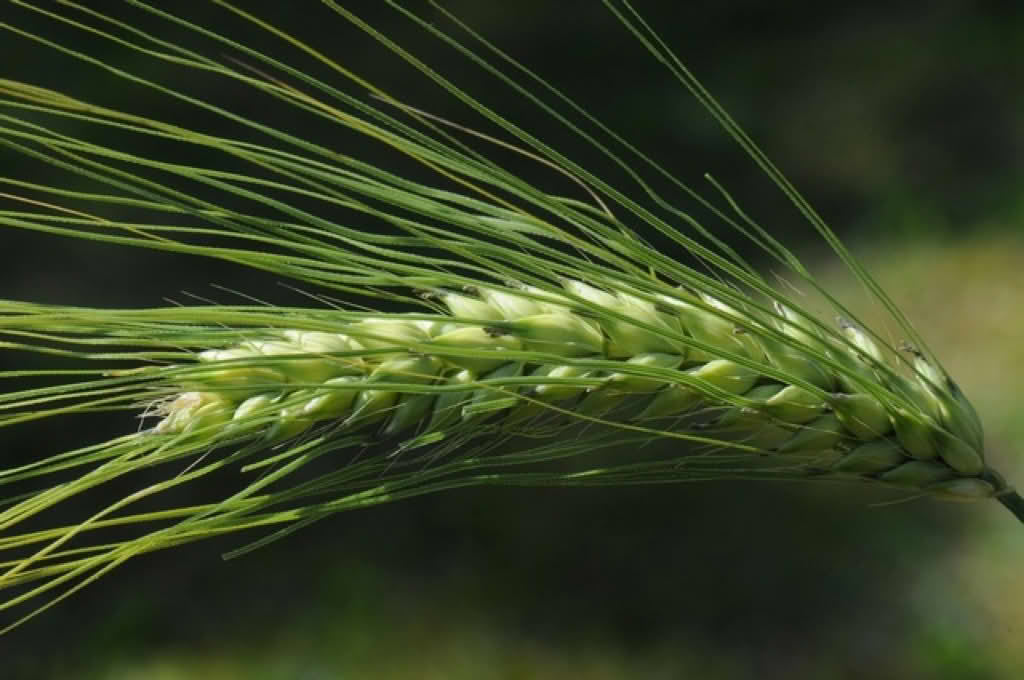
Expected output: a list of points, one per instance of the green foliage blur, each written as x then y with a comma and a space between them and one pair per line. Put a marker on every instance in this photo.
904, 125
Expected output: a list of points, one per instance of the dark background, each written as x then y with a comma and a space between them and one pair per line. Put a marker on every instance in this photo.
901, 122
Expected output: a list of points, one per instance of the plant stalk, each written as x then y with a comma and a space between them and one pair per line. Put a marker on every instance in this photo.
1014, 503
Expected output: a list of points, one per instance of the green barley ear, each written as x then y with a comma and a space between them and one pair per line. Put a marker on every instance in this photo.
531, 338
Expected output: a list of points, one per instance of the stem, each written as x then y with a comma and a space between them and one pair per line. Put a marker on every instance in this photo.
1014, 503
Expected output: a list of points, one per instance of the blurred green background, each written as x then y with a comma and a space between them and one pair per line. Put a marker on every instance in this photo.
904, 125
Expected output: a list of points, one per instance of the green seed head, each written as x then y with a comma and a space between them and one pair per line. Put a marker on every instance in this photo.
413, 377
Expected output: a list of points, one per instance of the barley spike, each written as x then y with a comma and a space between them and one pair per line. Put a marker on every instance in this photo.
591, 334
639, 382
